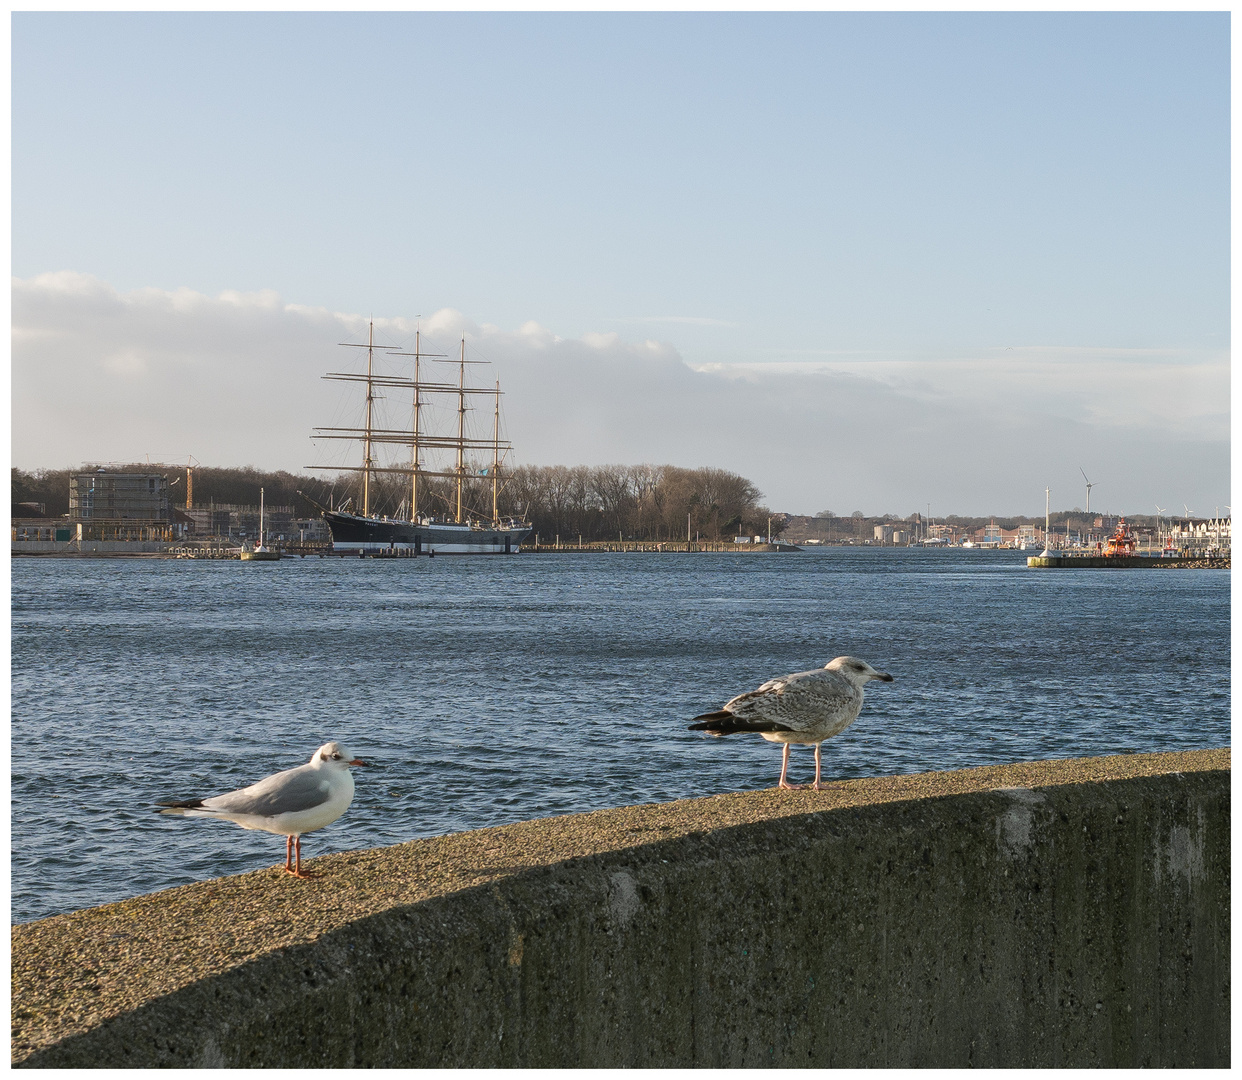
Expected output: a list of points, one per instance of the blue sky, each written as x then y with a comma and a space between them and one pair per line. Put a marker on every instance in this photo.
878, 197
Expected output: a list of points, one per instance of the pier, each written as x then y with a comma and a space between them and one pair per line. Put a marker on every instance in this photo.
1053, 913
1128, 562
661, 547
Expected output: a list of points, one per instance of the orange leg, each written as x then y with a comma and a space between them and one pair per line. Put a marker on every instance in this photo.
293, 856
293, 850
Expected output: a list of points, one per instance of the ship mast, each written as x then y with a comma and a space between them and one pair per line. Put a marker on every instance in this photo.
496, 460
415, 437
414, 457
367, 463
461, 425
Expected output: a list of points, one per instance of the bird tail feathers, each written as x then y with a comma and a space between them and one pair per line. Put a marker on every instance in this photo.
185, 808
723, 722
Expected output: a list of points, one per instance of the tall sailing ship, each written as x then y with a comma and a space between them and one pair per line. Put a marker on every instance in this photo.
459, 529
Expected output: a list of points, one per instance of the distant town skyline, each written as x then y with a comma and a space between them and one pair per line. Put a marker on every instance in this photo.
868, 261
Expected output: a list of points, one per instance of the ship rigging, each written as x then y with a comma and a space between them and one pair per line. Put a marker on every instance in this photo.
416, 532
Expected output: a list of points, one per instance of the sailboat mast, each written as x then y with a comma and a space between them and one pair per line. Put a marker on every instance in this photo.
260, 517
414, 463
496, 459
461, 426
366, 446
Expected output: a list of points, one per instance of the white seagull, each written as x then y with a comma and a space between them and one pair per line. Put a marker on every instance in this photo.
805, 708
287, 803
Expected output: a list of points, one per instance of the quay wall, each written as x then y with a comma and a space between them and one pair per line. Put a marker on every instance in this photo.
1064, 913
89, 547
1128, 562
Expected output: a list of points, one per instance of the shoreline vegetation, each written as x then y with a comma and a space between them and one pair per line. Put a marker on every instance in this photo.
589, 507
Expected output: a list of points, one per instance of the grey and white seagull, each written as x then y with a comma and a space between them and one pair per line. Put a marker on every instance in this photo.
804, 708
288, 803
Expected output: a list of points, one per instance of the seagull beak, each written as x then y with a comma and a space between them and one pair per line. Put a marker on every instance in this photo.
884, 676
357, 761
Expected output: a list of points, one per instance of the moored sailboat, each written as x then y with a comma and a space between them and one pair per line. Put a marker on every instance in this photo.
260, 553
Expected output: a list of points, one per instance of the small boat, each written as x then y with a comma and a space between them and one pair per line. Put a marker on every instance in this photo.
260, 553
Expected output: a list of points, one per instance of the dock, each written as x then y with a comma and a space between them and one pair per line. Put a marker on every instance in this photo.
1128, 562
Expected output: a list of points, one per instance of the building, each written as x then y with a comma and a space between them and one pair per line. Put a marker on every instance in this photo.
119, 498
119, 504
312, 530
884, 534
46, 530
1205, 536
208, 521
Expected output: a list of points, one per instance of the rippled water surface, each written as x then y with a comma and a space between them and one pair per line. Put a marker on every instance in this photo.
488, 690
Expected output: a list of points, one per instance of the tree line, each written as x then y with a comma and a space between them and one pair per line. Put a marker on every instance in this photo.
49, 488
602, 502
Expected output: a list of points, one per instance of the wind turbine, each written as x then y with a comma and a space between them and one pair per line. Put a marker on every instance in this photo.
1159, 540
1089, 487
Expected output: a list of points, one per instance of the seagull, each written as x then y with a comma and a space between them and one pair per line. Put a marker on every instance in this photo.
807, 707
287, 803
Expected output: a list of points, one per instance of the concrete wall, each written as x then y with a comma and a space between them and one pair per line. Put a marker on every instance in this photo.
88, 547
1016, 924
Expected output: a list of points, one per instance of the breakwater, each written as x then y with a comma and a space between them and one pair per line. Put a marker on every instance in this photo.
1128, 562
1048, 913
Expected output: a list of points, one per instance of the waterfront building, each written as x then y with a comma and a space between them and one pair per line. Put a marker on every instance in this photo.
119, 505
45, 530
208, 521
1213, 534
103, 497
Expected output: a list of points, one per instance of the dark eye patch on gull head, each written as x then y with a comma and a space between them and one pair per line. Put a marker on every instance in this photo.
289, 803
334, 752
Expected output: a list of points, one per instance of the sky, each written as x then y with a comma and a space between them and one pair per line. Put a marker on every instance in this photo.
870, 261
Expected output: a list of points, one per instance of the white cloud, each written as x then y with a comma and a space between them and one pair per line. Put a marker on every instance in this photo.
235, 380
682, 320
1173, 392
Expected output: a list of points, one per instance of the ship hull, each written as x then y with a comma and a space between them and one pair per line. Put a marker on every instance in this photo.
353, 534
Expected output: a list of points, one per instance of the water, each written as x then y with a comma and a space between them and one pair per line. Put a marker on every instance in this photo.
488, 690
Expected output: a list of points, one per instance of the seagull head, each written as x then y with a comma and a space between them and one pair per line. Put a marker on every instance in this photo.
334, 756
859, 672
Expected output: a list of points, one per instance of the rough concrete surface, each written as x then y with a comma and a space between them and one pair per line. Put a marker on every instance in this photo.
1058, 913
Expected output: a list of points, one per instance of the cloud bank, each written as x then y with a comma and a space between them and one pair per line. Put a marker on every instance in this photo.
234, 379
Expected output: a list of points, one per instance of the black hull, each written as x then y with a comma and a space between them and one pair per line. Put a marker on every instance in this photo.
364, 535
